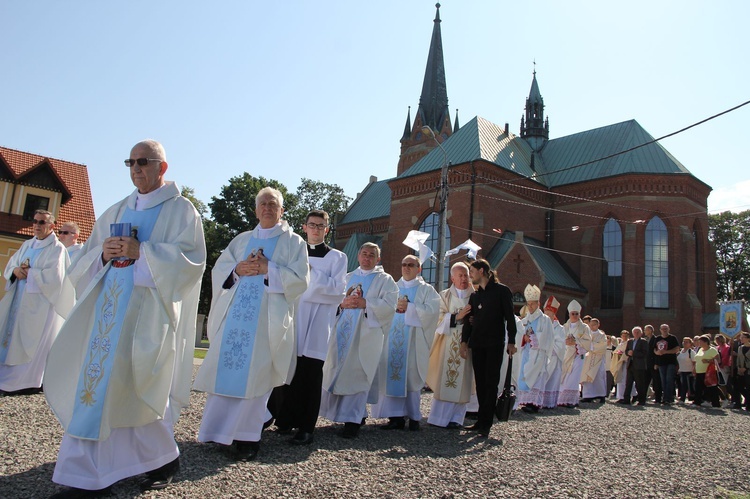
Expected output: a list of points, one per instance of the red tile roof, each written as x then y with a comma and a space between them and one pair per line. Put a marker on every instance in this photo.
78, 204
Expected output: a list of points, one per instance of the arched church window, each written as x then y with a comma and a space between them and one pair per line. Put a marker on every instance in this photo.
657, 264
429, 268
612, 265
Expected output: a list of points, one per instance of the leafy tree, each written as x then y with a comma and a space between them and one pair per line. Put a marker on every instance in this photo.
234, 208
730, 234
200, 206
315, 195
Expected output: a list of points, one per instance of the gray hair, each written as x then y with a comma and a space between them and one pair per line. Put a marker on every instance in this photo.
273, 192
460, 265
370, 245
49, 215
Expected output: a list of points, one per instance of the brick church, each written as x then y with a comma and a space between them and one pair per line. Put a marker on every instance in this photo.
606, 216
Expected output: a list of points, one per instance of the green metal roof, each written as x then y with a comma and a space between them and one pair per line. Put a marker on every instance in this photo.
482, 139
354, 243
556, 271
711, 320
374, 202
478, 139
564, 152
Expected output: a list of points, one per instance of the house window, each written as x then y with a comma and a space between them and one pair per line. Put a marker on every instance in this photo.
612, 265
429, 268
34, 203
657, 265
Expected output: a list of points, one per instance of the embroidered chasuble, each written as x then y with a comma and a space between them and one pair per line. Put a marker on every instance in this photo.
348, 323
30, 254
111, 306
398, 349
241, 326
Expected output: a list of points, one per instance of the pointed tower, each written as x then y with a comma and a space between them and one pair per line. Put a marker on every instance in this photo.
534, 127
433, 106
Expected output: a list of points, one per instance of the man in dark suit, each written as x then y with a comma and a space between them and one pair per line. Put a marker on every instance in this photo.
491, 313
637, 349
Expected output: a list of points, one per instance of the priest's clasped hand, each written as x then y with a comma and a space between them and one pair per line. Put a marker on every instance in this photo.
121, 246
255, 264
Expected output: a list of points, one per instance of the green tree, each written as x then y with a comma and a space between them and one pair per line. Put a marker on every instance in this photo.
730, 234
210, 229
315, 195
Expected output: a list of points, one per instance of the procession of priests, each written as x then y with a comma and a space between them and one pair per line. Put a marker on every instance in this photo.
109, 337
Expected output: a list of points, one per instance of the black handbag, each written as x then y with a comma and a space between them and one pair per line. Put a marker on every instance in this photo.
507, 399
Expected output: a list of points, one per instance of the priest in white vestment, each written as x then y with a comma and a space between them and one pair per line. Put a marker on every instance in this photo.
357, 341
554, 366
119, 371
619, 366
256, 282
449, 376
313, 322
406, 350
577, 343
38, 298
536, 349
594, 373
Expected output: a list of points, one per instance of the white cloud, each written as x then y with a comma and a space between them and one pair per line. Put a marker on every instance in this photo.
734, 198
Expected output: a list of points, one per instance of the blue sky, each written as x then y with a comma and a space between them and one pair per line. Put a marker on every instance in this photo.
296, 89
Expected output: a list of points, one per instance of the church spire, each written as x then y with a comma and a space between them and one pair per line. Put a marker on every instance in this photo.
433, 106
433, 102
407, 128
534, 127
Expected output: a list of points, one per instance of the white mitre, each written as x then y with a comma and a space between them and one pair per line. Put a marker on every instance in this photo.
574, 306
532, 293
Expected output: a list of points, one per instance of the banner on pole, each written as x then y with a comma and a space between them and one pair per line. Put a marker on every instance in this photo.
730, 317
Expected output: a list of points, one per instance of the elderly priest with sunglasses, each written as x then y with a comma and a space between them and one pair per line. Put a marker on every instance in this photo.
256, 282
119, 372
37, 299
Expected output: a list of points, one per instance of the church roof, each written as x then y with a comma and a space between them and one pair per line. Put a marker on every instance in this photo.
535, 96
556, 272
482, 139
373, 202
591, 145
354, 243
479, 139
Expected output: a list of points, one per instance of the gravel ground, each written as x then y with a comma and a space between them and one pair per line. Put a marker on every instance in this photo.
598, 450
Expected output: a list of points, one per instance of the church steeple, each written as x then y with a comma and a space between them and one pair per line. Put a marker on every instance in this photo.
407, 128
534, 127
433, 105
433, 102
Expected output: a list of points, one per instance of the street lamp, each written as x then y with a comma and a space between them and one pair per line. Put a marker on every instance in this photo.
442, 224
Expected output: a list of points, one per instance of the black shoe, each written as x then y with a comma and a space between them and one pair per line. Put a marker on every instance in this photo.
454, 426
413, 425
75, 493
530, 408
302, 438
244, 451
587, 400
641, 403
623, 402
160, 478
351, 430
395, 424
472, 415
480, 428
284, 430
601, 400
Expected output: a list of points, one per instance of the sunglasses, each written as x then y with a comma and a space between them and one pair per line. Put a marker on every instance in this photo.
140, 161
38, 222
66, 232
409, 265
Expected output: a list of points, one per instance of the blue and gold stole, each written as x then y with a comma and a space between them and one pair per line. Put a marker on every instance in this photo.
348, 320
111, 306
398, 349
241, 326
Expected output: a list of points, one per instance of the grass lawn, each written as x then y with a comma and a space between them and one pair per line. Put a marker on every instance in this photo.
201, 354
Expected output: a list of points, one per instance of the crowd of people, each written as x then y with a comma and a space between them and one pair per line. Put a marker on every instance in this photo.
106, 329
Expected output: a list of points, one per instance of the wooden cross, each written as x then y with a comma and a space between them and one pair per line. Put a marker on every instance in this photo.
518, 260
